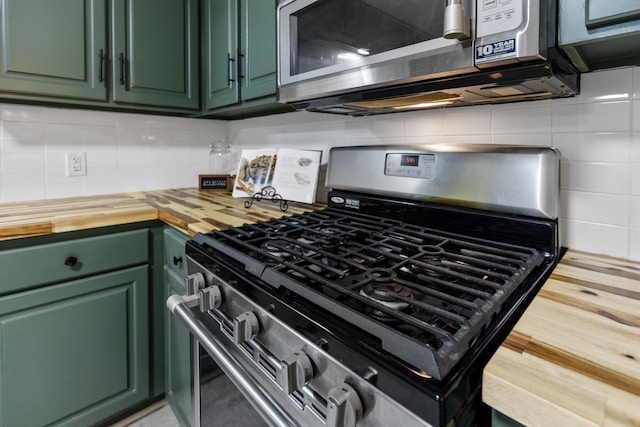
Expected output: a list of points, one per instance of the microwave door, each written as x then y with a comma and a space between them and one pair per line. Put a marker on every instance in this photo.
338, 45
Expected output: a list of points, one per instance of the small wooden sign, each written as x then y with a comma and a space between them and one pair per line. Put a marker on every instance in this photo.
215, 182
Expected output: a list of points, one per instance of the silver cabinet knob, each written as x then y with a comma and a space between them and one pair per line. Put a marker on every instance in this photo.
194, 282
344, 408
245, 327
295, 373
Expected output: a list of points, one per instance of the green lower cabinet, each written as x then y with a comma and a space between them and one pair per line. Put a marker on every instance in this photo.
178, 360
75, 353
178, 355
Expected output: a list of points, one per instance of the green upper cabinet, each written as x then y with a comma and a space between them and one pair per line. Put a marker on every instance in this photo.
141, 54
154, 55
239, 42
597, 34
258, 47
53, 48
220, 41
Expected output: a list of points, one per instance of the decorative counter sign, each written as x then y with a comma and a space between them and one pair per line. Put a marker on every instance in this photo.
215, 182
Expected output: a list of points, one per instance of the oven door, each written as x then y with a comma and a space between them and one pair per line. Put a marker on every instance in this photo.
225, 392
218, 402
329, 46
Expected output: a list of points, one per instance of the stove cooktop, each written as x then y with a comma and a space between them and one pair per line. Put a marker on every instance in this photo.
427, 295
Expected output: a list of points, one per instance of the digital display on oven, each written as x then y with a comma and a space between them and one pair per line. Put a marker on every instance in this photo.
410, 165
409, 160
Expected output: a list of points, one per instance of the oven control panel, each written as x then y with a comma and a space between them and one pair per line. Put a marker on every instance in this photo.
410, 165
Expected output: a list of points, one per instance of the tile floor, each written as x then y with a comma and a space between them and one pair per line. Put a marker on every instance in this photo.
157, 415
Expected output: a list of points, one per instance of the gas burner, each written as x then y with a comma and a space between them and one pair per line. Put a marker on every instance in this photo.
390, 294
429, 265
281, 248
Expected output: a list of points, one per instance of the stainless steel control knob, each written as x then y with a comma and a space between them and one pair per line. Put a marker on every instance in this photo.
344, 407
194, 282
245, 327
295, 373
210, 298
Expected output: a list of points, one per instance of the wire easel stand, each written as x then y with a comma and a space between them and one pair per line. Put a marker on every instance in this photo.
268, 193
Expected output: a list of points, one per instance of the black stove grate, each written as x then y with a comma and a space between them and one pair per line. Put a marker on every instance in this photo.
427, 295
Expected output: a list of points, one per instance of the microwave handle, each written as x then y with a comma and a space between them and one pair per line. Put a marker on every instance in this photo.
268, 409
456, 26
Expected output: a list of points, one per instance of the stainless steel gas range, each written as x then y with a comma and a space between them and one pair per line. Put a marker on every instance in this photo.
382, 308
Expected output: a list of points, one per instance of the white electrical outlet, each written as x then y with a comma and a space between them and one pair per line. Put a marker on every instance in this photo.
76, 164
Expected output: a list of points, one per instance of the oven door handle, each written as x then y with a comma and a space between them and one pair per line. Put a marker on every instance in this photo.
268, 409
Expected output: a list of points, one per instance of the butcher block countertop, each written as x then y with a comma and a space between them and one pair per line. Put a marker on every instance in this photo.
573, 358
189, 210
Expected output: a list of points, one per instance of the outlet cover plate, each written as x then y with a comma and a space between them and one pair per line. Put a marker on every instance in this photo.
76, 164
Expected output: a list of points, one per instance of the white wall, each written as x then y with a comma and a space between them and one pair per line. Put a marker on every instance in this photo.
597, 132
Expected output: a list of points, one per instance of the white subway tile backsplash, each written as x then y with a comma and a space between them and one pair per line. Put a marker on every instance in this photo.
64, 116
101, 180
635, 179
635, 211
598, 238
131, 178
75, 188
615, 84
607, 209
636, 81
12, 145
23, 177
611, 178
594, 147
634, 244
65, 137
535, 139
388, 128
19, 192
99, 118
24, 131
591, 117
519, 120
22, 113
23, 161
467, 121
428, 123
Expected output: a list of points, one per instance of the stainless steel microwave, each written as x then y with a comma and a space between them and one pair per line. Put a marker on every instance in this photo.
363, 57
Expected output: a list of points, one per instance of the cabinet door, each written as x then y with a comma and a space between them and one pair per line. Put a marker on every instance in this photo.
155, 53
74, 353
220, 39
53, 48
258, 48
178, 360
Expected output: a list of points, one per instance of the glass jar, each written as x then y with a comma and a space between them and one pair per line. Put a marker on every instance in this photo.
221, 159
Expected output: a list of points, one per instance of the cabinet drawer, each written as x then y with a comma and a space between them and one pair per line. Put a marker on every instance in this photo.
174, 251
42, 264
